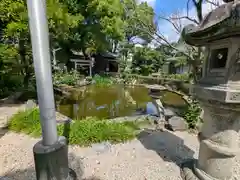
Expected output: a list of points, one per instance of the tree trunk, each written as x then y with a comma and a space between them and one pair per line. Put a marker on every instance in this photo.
26, 80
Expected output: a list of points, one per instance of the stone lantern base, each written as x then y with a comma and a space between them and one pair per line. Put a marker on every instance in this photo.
218, 143
187, 170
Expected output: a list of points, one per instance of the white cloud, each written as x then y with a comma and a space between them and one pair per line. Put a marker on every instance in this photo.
169, 31
150, 2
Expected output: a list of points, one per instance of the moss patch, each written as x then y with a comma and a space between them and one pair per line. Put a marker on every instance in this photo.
81, 132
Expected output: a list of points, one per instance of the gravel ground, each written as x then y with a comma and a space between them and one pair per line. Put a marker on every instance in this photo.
7, 111
154, 155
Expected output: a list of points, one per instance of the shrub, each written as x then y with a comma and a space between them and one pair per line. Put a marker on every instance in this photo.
191, 114
103, 80
10, 83
182, 77
69, 78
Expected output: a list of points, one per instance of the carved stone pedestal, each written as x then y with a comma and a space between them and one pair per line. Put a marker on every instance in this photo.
218, 144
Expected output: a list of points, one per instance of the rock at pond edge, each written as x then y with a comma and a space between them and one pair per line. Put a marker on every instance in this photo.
30, 104
177, 123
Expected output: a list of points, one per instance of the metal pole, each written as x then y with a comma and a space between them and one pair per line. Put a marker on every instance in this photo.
50, 154
42, 65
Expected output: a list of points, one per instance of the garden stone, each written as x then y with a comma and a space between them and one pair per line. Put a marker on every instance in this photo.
169, 112
156, 121
201, 114
30, 104
160, 108
177, 123
200, 121
153, 119
82, 82
199, 124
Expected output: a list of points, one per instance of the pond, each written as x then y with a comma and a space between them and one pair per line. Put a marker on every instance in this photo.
113, 101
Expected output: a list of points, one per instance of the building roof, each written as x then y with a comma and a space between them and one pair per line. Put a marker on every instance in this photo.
109, 55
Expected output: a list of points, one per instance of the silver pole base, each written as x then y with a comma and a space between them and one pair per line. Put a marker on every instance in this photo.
51, 162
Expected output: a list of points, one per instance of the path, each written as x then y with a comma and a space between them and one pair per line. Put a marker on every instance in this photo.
153, 155
6, 111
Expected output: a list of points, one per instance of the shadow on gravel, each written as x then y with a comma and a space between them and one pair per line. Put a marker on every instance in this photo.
168, 146
75, 163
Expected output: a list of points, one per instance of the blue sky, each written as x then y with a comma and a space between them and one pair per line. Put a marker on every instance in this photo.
168, 7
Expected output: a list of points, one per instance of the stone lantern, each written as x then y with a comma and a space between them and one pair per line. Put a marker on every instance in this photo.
218, 91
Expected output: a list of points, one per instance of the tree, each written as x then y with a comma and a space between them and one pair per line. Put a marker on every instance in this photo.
133, 14
16, 38
195, 58
102, 28
146, 61
193, 55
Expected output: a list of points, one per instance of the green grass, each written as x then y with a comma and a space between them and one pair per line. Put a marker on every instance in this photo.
103, 80
26, 122
82, 132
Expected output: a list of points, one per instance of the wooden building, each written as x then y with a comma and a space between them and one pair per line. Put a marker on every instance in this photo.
98, 63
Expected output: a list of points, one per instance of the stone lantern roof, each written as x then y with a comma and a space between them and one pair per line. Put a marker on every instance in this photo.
223, 22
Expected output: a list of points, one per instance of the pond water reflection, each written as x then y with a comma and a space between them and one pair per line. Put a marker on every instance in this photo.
110, 102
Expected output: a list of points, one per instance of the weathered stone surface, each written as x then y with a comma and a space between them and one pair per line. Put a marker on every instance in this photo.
155, 87
200, 121
30, 104
83, 82
219, 138
221, 22
218, 92
177, 123
168, 112
160, 108
61, 119
199, 124
129, 118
